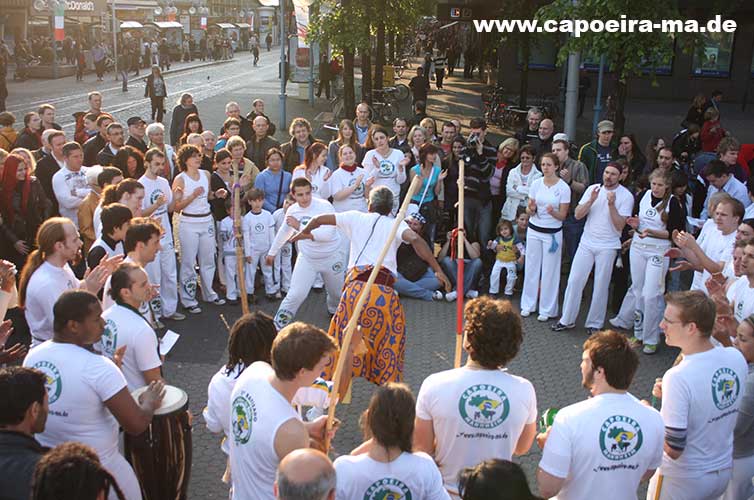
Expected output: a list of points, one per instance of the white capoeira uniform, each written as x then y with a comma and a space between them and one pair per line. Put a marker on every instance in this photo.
282, 268
110, 251
388, 173
107, 301
700, 399
599, 246
321, 190
741, 296
321, 255
44, 288
196, 232
228, 249
258, 235
162, 270
339, 180
644, 303
78, 383
715, 245
544, 245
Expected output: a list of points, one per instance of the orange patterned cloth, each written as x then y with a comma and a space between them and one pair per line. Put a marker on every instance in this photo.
383, 327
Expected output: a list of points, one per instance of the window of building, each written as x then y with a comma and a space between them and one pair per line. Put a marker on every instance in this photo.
715, 56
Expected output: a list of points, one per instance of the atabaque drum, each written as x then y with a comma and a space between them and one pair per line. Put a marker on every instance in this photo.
161, 455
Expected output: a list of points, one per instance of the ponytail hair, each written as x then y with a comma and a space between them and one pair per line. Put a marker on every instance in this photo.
49, 233
661, 174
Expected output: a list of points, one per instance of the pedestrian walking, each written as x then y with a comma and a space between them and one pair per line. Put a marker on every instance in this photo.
156, 90
324, 77
268, 41
440, 61
124, 62
98, 55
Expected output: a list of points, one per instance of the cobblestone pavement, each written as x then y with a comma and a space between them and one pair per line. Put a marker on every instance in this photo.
550, 360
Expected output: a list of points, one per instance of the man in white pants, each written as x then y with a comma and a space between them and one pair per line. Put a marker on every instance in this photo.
605, 446
319, 253
162, 271
606, 206
700, 400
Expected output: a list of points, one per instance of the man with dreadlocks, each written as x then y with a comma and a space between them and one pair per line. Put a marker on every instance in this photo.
88, 395
73, 470
382, 319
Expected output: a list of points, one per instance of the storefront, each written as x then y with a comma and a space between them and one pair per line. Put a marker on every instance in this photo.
172, 31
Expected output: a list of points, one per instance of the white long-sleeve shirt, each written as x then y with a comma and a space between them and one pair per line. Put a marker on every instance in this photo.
258, 232
70, 189
326, 240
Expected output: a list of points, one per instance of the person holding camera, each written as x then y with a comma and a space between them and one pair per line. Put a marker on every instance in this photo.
480, 157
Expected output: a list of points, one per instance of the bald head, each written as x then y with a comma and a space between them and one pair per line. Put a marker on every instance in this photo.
305, 474
546, 129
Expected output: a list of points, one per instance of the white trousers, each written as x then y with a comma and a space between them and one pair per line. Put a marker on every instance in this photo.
541, 266
230, 266
708, 486
510, 279
197, 241
258, 259
740, 486
124, 475
586, 257
162, 271
644, 303
282, 268
332, 269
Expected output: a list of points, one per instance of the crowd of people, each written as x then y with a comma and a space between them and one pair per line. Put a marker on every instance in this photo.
127, 225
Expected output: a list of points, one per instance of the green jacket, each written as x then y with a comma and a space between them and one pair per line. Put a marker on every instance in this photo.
588, 156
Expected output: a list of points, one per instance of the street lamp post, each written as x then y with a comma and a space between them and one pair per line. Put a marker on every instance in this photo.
282, 62
115, 41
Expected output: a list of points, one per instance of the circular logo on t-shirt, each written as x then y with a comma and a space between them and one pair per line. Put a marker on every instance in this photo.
337, 267
358, 192
725, 388
110, 337
620, 437
243, 416
387, 169
651, 212
388, 489
286, 250
484, 406
304, 221
53, 382
155, 195
259, 228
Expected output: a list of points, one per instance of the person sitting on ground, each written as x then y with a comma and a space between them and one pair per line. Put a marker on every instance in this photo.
416, 277
472, 261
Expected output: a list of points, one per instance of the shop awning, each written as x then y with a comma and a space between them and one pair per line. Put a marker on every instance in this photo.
243, 25
134, 4
166, 24
225, 26
270, 3
129, 25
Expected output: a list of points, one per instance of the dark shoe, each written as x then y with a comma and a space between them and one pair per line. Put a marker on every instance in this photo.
318, 289
592, 331
559, 327
232, 302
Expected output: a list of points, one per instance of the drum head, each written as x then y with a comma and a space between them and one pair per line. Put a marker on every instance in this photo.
175, 399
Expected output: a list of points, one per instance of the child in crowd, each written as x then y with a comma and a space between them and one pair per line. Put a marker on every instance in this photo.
258, 235
522, 223
283, 267
228, 249
507, 254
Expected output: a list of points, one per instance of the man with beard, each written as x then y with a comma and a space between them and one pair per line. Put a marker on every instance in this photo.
115, 141
605, 446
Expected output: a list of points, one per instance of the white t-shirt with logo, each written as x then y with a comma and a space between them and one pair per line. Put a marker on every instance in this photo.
603, 446
258, 232
341, 179
45, 286
320, 186
741, 295
387, 173
257, 410
599, 231
411, 475
368, 232
126, 327
715, 245
702, 395
78, 383
545, 196
152, 190
326, 240
476, 415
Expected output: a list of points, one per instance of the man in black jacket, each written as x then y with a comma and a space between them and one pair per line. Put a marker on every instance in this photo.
51, 163
23, 413
137, 130
480, 157
260, 143
257, 109
94, 145
115, 141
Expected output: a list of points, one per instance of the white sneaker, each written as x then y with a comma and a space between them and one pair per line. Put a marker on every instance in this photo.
525, 314
451, 296
472, 294
614, 322
542, 318
176, 316
219, 302
437, 295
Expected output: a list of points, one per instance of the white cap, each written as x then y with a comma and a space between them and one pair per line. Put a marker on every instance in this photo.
561, 137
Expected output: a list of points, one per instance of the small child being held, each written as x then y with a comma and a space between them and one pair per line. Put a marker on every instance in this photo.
258, 235
507, 256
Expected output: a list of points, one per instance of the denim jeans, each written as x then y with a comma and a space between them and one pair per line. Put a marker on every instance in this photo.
572, 229
471, 271
477, 219
419, 289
